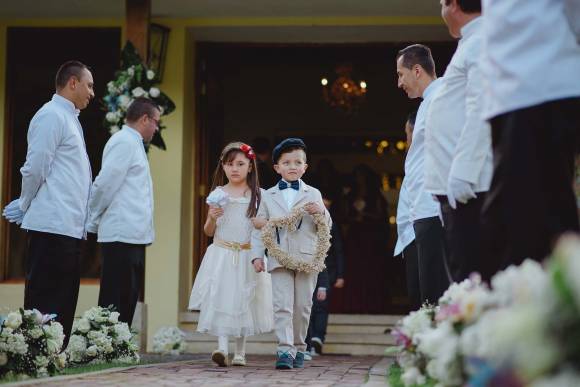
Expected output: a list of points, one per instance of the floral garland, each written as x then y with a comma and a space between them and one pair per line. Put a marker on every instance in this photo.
291, 223
133, 80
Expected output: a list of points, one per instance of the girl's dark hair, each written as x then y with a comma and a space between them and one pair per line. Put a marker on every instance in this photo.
219, 176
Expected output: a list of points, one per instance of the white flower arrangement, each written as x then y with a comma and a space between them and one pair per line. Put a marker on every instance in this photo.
30, 345
217, 198
169, 340
133, 80
99, 337
523, 330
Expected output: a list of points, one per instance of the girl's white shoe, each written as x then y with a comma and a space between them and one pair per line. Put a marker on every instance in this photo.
239, 360
220, 358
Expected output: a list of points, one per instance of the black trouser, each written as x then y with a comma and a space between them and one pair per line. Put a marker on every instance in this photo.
122, 277
464, 239
433, 274
412, 270
531, 201
318, 317
53, 277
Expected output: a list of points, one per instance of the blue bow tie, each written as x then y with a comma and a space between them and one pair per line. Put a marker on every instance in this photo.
283, 185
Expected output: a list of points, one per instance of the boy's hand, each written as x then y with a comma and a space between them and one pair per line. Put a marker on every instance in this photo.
313, 208
321, 294
215, 212
339, 283
259, 222
258, 265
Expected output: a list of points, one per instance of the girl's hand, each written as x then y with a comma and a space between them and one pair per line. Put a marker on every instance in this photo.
259, 222
339, 284
313, 208
215, 212
258, 265
321, 294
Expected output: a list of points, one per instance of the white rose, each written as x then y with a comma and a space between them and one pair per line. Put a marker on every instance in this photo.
36, 333
92, 351
112, 117
124, 101
3, 359
131, 70
13, 320
41, 361
53, 346
61, 360
138, 92
150, 74
154, 92
83, 324
114, 317
114, 129
111, 87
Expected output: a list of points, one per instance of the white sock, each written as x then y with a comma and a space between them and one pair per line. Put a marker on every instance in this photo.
241, 346
223, 344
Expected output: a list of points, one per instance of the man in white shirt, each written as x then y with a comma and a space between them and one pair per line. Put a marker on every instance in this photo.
121, 209
56, 181
458, 151
405, 234
416, 75
531, 67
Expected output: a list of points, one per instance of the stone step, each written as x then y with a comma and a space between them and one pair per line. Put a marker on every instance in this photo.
333, 319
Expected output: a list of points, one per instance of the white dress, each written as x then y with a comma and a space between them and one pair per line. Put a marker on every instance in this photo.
225, 287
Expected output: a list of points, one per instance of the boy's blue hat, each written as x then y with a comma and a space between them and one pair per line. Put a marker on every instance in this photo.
285, 144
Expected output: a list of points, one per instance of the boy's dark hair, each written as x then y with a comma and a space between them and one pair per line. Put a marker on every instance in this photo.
412, 117
467, 6
418, 54
72, 68
139, 107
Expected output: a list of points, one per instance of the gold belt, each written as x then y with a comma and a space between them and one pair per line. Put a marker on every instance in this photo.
236, 247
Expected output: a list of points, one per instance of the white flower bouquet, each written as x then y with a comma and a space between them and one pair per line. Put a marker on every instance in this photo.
169, 340
217, 198
99, 337
525, 330
133, 80
30, 345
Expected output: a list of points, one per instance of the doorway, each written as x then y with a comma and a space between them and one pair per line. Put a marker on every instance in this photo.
273, 91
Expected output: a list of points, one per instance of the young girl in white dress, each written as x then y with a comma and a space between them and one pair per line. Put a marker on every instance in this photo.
226, 287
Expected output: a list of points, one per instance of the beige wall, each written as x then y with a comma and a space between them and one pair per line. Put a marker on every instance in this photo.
168, 266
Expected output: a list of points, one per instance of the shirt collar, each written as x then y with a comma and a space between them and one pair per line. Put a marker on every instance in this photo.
429, 89
67, 104
134, 132
470, 28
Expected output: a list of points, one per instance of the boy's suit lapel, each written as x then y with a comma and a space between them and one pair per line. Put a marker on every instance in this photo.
279, 198
302, 195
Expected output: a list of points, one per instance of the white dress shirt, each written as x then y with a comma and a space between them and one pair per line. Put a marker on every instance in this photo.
531, 55
458, 139
56, 176
422, 203
405, 231
290, 194
121, 203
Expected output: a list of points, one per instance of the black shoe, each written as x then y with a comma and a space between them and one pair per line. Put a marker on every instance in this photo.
299, 360
316, 344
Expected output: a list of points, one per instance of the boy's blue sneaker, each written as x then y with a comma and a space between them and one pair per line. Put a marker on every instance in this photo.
299, 360
284, 361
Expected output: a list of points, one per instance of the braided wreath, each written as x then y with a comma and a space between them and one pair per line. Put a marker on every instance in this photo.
291, 223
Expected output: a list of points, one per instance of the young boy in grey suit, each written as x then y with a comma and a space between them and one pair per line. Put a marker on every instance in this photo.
291, 290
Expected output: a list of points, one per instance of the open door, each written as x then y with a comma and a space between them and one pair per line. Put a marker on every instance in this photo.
208, 143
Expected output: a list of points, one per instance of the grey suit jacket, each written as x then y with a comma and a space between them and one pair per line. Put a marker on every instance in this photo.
302, 242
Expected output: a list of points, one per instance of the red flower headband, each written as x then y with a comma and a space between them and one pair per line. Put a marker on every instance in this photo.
248, 151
